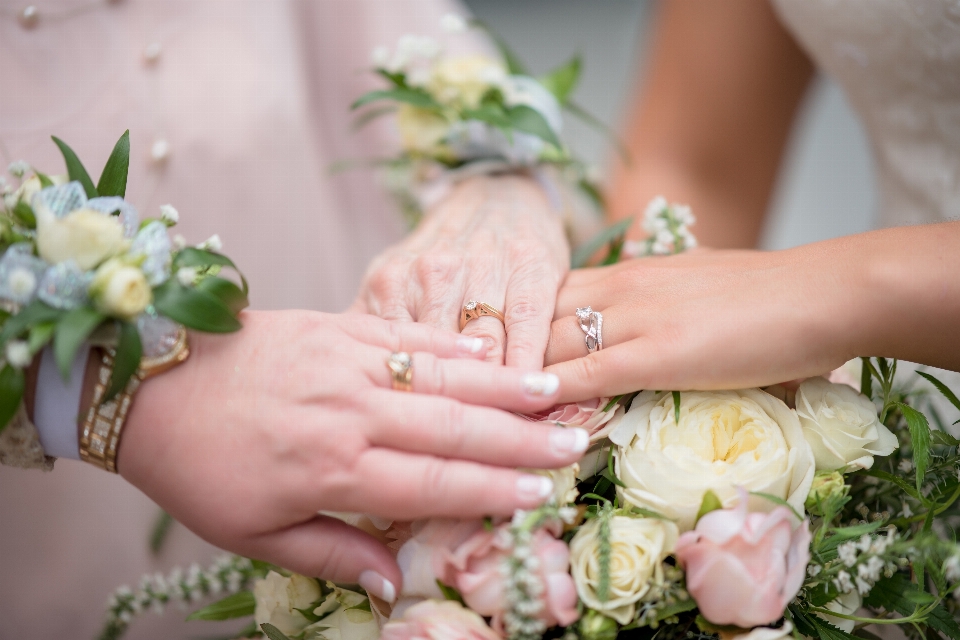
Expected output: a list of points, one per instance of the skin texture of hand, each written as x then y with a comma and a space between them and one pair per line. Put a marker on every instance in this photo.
260, 430
736, 319
493, 239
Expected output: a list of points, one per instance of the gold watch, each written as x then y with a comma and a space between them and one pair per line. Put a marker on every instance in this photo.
101, 429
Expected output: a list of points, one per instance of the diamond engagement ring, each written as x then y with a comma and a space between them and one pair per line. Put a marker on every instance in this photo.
591, 323
401, 370
473, 310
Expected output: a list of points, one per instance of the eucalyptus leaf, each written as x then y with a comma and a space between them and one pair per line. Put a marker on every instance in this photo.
272, 632
237, 605
75, 168
34, 313
126, 361
919, 438
563, 80
193, 308
12, 384
113, 178
415, 97
228, 293
529, 120
709, 503
72, 330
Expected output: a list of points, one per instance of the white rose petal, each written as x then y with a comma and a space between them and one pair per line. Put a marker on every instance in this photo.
847, 604
638, 548
724, 440
121, 290
18, 354
842, 426
85, 236
346, 622
278, 598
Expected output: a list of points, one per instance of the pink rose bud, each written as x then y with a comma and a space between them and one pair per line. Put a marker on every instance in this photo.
744, 568
438, 620
589, 415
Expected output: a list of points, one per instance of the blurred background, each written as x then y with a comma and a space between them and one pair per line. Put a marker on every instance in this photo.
826, 186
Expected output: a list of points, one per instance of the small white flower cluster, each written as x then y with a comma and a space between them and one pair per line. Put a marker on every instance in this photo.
410, 49
867, 555
951, 568
18, 168
522, 585
18, 354
668, 230
227, 575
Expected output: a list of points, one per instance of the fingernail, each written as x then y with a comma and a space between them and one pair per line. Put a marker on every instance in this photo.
374, 583
532, 487
563, 442
469, 346
541, 384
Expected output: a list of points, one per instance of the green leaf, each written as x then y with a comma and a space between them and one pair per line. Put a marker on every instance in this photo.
489, 113
75, 168
827, 631
113, 178
449, 593
415, 97
778, 501
75, 327
398, 79
272, 632
613, 402
529, 120
944, 439
904, 486
709, 503
193, 308
192, 257
589, 248
44, 179
898, 594
12, 384
127, 360
23, 212
920, 439
604, 130
228, 293
160, 530
942, 388
40, 335
562, 80
676, 407
34, 313
680, 606
237, 605
866, 380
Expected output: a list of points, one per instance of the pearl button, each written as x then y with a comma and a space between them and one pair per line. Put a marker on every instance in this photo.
29, 17
151, 53
160, 150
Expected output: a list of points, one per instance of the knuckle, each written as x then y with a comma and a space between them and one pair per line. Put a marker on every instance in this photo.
523, 309
436, 270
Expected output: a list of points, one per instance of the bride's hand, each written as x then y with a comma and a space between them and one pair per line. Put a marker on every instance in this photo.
259, 431
705, 320
492, 239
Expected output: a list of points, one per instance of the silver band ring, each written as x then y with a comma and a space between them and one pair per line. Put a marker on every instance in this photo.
591, 323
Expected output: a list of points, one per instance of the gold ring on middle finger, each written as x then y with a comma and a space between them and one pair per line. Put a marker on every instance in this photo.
474, 309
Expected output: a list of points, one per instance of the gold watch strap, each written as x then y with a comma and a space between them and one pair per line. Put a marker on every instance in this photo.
103, 424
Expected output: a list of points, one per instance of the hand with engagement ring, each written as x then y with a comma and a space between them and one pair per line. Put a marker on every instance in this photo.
338, 413
487, 260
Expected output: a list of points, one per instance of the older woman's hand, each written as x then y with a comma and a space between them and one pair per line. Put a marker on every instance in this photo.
493, 239
260, 430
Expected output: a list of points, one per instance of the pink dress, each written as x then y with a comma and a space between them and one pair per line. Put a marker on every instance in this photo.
251, 98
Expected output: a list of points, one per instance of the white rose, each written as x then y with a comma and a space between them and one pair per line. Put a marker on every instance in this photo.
462, 80
31, 187
278, 598
120, 290
638, 548
85, 236
421, 130
842, 426
347, 622
847, 604
724, 440
564, 482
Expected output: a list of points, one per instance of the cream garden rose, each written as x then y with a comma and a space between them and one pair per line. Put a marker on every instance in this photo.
724, 440
639, 546
278, 598
462, 80
344, 618
841, 425
119, 289
85, 236
421, 130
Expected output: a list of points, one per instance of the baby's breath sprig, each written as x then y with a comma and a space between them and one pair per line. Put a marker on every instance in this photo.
227, 575
667, 227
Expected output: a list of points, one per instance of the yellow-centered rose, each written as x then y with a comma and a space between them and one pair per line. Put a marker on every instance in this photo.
638, 548
723, 440
119, 289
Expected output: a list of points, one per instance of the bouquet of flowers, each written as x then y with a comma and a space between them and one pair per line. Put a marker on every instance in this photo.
79, 265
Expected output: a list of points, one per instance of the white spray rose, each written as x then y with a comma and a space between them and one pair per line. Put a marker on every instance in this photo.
462, 80
842, 426
638, 548
278, 598
119, 289
724, 440
347, 622
85, 236
421, 130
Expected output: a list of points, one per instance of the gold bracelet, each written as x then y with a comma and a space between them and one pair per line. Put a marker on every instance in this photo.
103, 426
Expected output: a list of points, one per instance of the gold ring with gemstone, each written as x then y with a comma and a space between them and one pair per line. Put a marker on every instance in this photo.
401, 370
474, 309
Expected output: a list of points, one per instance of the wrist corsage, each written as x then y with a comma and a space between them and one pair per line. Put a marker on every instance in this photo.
79, 266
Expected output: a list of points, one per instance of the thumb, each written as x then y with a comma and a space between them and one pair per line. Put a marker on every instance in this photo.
333, 550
